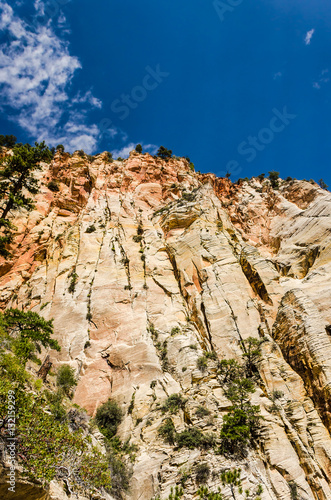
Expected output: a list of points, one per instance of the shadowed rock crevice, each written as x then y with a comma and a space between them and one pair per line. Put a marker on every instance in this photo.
254, 279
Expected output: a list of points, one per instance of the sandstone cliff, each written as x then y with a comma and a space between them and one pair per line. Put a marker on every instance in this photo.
145, 266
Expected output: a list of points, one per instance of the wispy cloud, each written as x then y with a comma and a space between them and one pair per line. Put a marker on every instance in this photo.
36, 70
277, 75
125, 151
309, 36
323, 78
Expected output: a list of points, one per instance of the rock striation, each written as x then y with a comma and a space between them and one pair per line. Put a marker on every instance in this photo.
145, 266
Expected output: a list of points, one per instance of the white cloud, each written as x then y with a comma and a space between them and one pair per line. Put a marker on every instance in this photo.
126, 150
309, 36
39, 7
36, 70
322, 79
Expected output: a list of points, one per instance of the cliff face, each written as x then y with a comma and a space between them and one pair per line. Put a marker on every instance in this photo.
153, 265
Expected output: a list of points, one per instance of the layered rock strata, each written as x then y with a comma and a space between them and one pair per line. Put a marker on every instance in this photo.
145, 265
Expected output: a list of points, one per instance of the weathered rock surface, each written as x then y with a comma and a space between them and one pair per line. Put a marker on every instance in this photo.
130, 256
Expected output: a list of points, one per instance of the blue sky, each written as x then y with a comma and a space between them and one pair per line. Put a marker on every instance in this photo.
236, 85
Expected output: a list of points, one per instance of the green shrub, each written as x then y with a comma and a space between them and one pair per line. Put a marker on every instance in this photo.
276, 394
211, 355
202, 412
38, 384
175, 331
202, 363
109, 157
73, 281
168, 431
176, 494
259, 489
60, 148
274, 179
11, 367
164, 153
205, 494
188, 197
108, 417
202, 473
174, 403
193, 438
137, 238
65, 379
53, 186
139, 148
131, 405
190, 438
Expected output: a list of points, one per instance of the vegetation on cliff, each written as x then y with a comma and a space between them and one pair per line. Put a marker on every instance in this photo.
53, 439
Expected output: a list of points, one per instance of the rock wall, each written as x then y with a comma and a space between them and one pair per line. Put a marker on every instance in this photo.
145, 265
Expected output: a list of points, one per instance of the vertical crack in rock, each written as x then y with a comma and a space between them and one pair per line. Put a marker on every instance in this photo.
254, 279
203, 310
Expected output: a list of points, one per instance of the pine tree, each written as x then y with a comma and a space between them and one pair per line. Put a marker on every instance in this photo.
139, 148
274, 179
16, 179
164, 153
8, 141
27, 332
232, 479
322, 184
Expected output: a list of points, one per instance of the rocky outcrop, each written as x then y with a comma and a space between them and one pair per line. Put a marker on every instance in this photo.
306, 345
145, 266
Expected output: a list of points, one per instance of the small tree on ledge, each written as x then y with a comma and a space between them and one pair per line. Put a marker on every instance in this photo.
322, 184
164, 153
